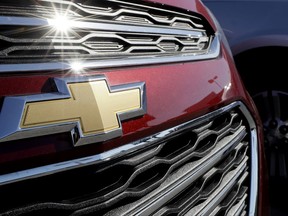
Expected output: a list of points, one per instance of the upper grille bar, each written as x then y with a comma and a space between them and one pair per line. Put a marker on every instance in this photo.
28, 22
112, 10
103, 34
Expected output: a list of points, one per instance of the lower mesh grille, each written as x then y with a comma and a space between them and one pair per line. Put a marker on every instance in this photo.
202, 167
223, 185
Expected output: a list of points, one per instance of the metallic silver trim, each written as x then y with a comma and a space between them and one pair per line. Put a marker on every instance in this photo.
13, 108
222, 190
238, 208
213, 52
122, 150
254, 173
99, 26
91, 46
254, 162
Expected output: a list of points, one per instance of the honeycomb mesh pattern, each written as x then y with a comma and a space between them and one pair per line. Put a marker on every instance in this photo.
203, 169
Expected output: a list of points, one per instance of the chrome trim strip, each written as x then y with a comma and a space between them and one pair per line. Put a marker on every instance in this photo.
111, 154
254, 162
254, 174
115, 35
26, 21
238, 208
213, 52
221, 192
99, 26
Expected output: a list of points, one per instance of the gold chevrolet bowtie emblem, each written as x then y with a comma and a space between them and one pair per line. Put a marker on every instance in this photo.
87, 107
91, 103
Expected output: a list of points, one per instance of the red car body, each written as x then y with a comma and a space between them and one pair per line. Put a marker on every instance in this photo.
176, 93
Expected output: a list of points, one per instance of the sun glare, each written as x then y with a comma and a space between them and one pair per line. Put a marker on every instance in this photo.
77, 67
61, 24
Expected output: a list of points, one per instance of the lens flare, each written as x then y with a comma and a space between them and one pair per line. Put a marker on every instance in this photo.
60, 24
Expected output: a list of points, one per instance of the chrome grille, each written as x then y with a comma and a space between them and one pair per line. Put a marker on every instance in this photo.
222, 187
59, 34
205, 167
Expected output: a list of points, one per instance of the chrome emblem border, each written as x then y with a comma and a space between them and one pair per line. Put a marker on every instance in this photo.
13, 109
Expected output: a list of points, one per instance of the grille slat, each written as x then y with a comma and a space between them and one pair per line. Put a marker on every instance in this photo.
201, 189
215, 198
238, 209
237, 193
185, 43
189, 172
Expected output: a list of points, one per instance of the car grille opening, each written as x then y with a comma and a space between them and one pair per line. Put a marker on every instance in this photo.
202, 167
104, 33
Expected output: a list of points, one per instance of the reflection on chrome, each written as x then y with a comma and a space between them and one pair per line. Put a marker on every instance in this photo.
77, 67
60, 23
120, 62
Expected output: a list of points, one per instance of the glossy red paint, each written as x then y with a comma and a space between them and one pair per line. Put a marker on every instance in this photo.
176, 93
